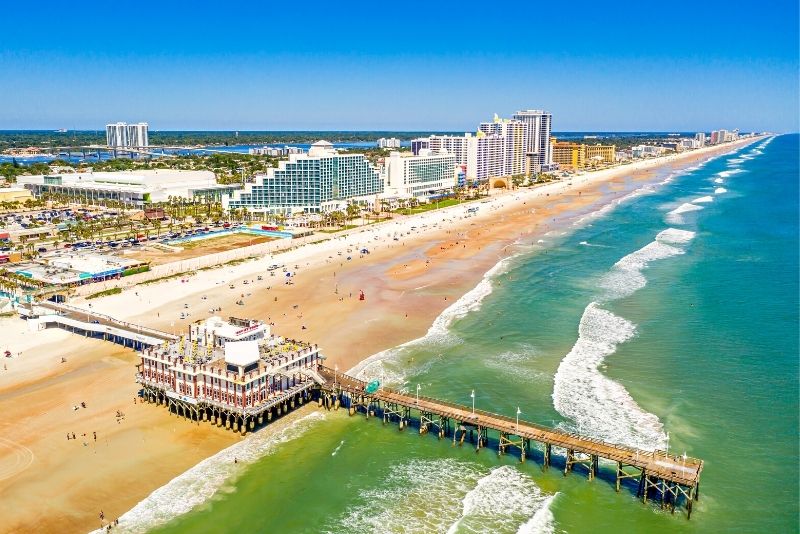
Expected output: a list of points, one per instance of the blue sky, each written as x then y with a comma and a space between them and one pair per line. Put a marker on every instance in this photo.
399, 65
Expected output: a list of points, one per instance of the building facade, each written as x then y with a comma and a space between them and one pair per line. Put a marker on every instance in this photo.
422, 176
390, 142
539, 149
577, 156
422, 143
132, 188
236, 383
124, 135
511, 140
568, 155
322, 180
700, 137
117, 135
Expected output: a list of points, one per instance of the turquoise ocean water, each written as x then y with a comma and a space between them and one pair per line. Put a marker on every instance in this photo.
670, 320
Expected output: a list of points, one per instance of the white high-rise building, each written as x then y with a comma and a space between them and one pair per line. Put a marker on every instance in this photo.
123, 135
117, 135
539, 128
138, 135
421, 176
700, 137
391, 142
461, 146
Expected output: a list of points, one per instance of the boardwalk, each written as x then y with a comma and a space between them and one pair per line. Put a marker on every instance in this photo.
94, 324
668, 477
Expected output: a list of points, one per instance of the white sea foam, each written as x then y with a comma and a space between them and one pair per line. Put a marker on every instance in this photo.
421, 496
735, 160
675, 236
201, 482
703, 200
729, 173
599, 406
500, 502
719, 181
414, 496
516, 364
720, 190
676, 216
380, 365
626, 277
542, 521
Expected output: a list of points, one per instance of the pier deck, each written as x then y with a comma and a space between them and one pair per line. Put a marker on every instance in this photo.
668, 476
72, 317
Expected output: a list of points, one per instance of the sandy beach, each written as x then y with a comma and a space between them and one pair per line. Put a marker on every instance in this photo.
416, 267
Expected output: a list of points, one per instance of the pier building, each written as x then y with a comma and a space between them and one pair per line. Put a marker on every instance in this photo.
231, 372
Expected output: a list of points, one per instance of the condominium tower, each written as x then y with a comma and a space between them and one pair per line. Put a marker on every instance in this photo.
124, 135
539, 125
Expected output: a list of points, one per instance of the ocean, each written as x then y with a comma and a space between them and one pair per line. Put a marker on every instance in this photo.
667, 320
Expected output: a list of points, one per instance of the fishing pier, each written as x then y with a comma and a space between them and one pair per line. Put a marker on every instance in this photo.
661, 476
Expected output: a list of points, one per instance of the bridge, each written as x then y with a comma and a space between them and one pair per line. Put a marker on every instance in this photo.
91, 324
663, 476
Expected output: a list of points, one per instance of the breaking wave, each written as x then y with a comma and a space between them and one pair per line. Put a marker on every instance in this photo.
676, 216
720, 190
625, 277
703, 200
729, 173
599, 406
201, 482
447, 495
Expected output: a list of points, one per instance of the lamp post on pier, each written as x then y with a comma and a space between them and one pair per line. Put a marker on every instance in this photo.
473, 401
518, 412
418, 386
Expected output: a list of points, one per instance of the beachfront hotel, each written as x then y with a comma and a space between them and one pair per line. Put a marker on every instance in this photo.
578, 155
423, 176
539, 150
321, 181
500, 148
233, 372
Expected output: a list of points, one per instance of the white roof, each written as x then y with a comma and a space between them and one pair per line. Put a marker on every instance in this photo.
241, 353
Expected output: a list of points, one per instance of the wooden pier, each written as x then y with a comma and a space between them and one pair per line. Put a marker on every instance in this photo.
664, 477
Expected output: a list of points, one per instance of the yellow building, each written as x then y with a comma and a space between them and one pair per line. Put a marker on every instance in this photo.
568, 155
600, 153
14, 194
577, 156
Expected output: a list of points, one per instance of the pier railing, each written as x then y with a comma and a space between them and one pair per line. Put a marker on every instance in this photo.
668, 475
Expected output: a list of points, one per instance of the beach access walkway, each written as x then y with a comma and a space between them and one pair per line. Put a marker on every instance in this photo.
44, 314
665, 477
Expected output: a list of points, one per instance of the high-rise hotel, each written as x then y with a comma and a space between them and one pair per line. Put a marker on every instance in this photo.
123, 135
321, 181
500, 148
539, 149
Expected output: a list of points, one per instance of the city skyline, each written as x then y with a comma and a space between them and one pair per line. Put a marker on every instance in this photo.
372, 67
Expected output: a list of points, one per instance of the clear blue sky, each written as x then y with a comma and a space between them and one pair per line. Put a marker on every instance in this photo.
399, 65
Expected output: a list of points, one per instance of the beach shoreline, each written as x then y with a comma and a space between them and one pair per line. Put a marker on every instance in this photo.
408, 283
